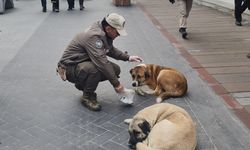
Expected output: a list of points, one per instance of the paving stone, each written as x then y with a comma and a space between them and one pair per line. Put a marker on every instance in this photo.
95, 129
230, 78
244, 101
248, 108
228, 70
75, 129
57, 131
114, 146
41, 134
237, 87
122, 137
92, 146
104, 137
112, 127
70, 146
48, 147
21, 135
241, 94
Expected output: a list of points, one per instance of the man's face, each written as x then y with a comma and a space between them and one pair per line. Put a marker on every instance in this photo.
111, 32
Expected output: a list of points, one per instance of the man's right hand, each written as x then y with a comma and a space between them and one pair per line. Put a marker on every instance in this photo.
172, 1
62, 72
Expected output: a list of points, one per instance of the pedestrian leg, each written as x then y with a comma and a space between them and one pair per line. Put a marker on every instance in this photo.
81, 4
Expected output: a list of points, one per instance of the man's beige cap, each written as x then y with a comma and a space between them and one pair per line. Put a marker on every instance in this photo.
117, 21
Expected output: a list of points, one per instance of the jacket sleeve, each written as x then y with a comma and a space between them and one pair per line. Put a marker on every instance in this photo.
118, 54
97, 55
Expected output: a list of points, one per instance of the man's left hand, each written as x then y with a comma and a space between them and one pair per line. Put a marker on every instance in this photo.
135, 59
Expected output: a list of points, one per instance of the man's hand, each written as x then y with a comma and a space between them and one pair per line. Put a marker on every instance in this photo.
135, 59
62, 72
126, 96
172, 1
119, 88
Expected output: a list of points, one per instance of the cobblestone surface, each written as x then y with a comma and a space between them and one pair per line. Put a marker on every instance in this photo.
38, 111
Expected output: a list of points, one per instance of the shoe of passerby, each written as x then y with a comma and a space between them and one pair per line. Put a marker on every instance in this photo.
127, 96
237, 23
44, 9
56, 10
183, 33
82, 7
248, 55
70, 9
89, 100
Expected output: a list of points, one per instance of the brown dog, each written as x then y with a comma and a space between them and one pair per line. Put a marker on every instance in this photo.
162, 127
166, 82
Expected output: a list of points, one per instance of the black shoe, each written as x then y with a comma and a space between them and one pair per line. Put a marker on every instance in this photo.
248, 55
82, 7
56, 10
44, 9
183, 33
69, 9
89, 100
238, 23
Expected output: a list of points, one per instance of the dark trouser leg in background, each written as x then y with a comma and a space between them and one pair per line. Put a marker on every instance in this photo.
55, 5
81, 4
185, 7
44, 5
238, 10
70, 4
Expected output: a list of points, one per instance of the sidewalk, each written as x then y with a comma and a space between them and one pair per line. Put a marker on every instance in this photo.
38, 111
217, 50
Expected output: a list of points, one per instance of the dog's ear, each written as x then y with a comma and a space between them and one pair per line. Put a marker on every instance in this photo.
145, 127
131, 70
147, 74
127, 121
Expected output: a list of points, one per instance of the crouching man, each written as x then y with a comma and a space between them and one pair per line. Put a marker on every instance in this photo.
85, 60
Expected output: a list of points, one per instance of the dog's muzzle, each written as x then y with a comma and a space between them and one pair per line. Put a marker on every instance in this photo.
131, 146
135, 84
132, 143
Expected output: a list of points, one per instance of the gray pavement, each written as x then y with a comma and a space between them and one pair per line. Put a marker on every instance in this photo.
38, 111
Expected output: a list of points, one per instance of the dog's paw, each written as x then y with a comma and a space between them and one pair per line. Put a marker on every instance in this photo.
127, 121
150, 92
139, 92
158, 100
140, 145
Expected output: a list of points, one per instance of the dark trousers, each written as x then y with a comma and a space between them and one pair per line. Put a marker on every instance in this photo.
86, 76
81, 3
240, 7
44, 3
71, 3
55, 4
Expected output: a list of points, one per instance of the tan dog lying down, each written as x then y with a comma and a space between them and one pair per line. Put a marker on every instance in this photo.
162, 127
164, 82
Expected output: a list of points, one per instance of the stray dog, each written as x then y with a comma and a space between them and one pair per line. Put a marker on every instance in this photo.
164, 82
162, 127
